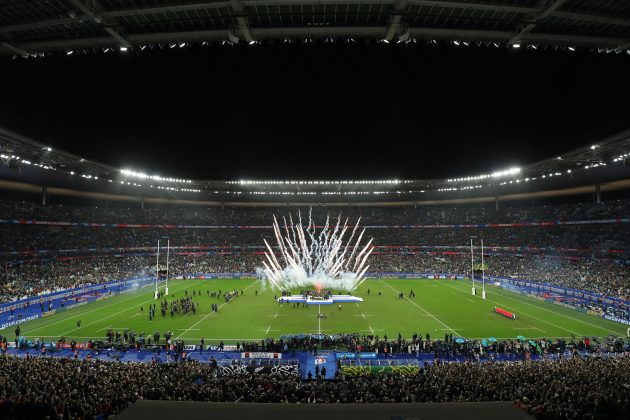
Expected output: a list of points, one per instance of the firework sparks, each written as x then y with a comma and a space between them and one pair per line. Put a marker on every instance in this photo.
321, 259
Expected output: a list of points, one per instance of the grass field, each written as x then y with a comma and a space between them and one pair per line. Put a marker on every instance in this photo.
440, 306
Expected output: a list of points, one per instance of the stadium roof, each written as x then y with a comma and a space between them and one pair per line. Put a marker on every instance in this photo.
32, 27
25, 160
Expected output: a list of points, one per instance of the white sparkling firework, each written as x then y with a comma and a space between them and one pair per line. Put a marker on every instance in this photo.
324, 259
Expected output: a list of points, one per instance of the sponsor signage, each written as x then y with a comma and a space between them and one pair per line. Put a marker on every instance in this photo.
260, 355
351, 355
19, 321
74, 305
49, 313
616, 319
230, 347
363, 355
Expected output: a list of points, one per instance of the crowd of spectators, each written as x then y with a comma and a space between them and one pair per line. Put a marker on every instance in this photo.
25, 239
36, 259
403, 215
574, 388
604, 276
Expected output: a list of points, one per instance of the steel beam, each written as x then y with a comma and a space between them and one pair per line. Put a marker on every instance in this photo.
394, 26
99, 19
321, 31
546, 9
14, 48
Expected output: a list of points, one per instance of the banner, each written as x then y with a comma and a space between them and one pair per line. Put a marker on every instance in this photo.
227, 347
359, 370
247, 370
616, 319
261, 355
18, 321
268, 227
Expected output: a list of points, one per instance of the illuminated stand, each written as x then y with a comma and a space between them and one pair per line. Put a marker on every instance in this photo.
319, 301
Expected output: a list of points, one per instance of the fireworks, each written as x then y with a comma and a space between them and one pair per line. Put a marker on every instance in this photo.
308, 258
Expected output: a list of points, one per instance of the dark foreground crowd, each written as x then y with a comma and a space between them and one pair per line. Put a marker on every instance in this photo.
55, 388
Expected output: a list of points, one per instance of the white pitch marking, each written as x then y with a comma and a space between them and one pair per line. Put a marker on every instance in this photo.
420, 307
96, 309
470, 300
103, 329
117, 313
559, 313
206, 316
531, 316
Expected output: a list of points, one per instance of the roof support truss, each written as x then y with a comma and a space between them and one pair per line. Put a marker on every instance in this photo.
92, 14
547, 7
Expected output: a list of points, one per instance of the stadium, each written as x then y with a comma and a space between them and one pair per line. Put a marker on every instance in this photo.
369, 209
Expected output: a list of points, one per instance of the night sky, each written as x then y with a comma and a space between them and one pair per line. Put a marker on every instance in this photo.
317, 111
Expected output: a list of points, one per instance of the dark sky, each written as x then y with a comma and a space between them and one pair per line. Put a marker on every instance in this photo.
317, 111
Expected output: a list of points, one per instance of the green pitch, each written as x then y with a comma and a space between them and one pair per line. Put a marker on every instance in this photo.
440, 307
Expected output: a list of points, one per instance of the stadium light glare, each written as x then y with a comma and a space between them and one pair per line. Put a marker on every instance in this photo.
70, 52
123, 49
516, 45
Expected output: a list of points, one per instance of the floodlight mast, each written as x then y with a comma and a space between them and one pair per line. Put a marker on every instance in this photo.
157, 269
